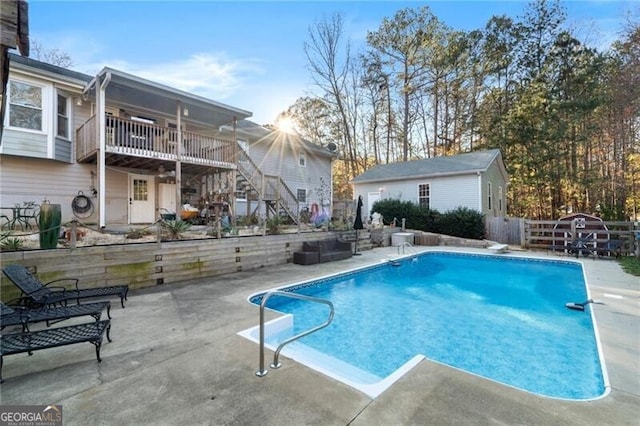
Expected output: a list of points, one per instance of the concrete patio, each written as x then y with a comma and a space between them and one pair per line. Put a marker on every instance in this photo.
176, 358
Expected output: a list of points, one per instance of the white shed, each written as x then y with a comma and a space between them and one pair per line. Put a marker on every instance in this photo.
476, 180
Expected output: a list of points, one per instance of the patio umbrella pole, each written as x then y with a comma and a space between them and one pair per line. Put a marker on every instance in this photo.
357, 224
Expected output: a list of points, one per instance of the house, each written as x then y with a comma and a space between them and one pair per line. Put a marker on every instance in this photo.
130, 149
476, 180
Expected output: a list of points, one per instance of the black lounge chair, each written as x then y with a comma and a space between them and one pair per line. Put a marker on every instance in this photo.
39, 294
28, 341
20, 315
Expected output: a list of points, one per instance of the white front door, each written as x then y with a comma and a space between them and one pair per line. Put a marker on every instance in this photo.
141, 199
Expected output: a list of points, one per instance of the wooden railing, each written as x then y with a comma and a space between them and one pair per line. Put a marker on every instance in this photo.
270, 188
130, 137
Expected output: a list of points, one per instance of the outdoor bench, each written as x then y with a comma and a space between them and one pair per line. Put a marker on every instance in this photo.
30, 341
322, 251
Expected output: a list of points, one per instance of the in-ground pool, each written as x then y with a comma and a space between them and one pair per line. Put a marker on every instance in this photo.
503, 318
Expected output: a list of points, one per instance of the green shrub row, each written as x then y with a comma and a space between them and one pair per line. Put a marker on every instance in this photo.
462, 222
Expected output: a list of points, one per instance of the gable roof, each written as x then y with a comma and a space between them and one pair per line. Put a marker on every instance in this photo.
471, 162
261, 133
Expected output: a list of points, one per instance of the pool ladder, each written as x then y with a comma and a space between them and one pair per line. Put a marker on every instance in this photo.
406, 245
262, 371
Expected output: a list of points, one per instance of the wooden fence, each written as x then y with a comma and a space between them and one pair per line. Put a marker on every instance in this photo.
505, 230
543, 234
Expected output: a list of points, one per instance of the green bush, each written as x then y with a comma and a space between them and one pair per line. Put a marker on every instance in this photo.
391, 208
461, 222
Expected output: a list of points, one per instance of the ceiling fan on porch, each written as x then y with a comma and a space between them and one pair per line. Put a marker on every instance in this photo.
162, 173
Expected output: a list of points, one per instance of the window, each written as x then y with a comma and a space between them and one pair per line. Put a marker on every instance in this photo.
490, 197
25, 105
424, 195
301, 195
140, 190
302, 159
63, 117
500, 198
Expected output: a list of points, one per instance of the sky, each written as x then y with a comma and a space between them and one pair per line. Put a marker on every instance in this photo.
250, 54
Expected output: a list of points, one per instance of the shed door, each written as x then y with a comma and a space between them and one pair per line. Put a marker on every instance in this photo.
372, 197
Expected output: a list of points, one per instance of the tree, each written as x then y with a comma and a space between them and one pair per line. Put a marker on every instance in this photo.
54, 56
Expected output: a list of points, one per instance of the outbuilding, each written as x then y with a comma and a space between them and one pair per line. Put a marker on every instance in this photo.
475, 180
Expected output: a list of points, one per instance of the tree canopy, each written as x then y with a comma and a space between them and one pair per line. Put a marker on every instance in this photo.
566, 116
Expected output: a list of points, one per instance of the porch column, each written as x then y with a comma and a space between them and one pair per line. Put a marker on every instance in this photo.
178, 157
101, 88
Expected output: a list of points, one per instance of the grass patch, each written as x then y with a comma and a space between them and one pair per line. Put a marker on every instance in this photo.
630, 264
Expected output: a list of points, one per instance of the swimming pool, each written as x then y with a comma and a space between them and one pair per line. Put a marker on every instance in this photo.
499, 317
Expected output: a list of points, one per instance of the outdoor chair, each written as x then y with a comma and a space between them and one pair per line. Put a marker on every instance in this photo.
21, 315
39, 294
28, 341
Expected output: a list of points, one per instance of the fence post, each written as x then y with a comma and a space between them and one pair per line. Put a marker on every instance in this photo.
74, 236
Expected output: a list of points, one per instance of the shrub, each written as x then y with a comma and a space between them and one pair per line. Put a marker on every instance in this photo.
136, 234
11, 244
173, 229
391, 208
462, 222
274, 224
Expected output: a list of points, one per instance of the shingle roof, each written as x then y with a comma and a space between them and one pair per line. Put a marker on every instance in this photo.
456, 164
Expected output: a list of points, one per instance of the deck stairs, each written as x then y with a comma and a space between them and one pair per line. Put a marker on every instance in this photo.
279, 199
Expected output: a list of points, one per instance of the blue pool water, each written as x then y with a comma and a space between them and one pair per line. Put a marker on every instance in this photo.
498, 317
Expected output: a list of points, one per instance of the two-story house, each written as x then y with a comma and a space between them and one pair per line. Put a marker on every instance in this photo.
133, 148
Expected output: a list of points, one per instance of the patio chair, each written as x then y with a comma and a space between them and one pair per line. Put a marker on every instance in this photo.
39, 294
28, 341
21, 315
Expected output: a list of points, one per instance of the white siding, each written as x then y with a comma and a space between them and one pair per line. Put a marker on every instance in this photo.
29, 179
452, 192
280, 158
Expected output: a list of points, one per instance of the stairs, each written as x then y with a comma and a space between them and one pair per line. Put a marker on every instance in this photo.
277, 196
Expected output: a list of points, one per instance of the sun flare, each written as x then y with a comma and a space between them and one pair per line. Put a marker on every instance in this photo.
286, 124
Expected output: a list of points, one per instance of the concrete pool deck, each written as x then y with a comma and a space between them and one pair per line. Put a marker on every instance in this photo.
176, 358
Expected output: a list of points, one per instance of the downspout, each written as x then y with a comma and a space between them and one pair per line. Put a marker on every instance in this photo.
480, 209
102, 140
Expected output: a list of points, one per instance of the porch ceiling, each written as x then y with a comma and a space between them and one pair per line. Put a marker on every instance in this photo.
152, 165
129, 90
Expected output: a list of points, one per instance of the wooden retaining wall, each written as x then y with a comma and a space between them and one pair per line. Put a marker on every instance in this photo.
150, 264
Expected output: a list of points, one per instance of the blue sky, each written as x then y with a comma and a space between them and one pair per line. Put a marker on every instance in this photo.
250, 54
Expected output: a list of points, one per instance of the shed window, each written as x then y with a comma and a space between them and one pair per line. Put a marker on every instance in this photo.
490, 196
25, 105
424, 195
500, 198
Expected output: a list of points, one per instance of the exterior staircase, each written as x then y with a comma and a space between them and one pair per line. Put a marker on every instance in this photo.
277, 196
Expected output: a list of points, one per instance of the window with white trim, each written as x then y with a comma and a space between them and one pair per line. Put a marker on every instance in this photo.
500, 198
62, 122
25, 105
302, 159
489, 196
424, 195
301, 195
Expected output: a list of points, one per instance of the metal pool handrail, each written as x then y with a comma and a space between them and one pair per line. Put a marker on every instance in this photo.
261, 372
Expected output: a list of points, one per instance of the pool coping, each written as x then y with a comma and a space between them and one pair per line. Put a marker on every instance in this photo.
373, 390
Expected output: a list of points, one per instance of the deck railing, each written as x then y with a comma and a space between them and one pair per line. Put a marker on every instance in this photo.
139, 139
